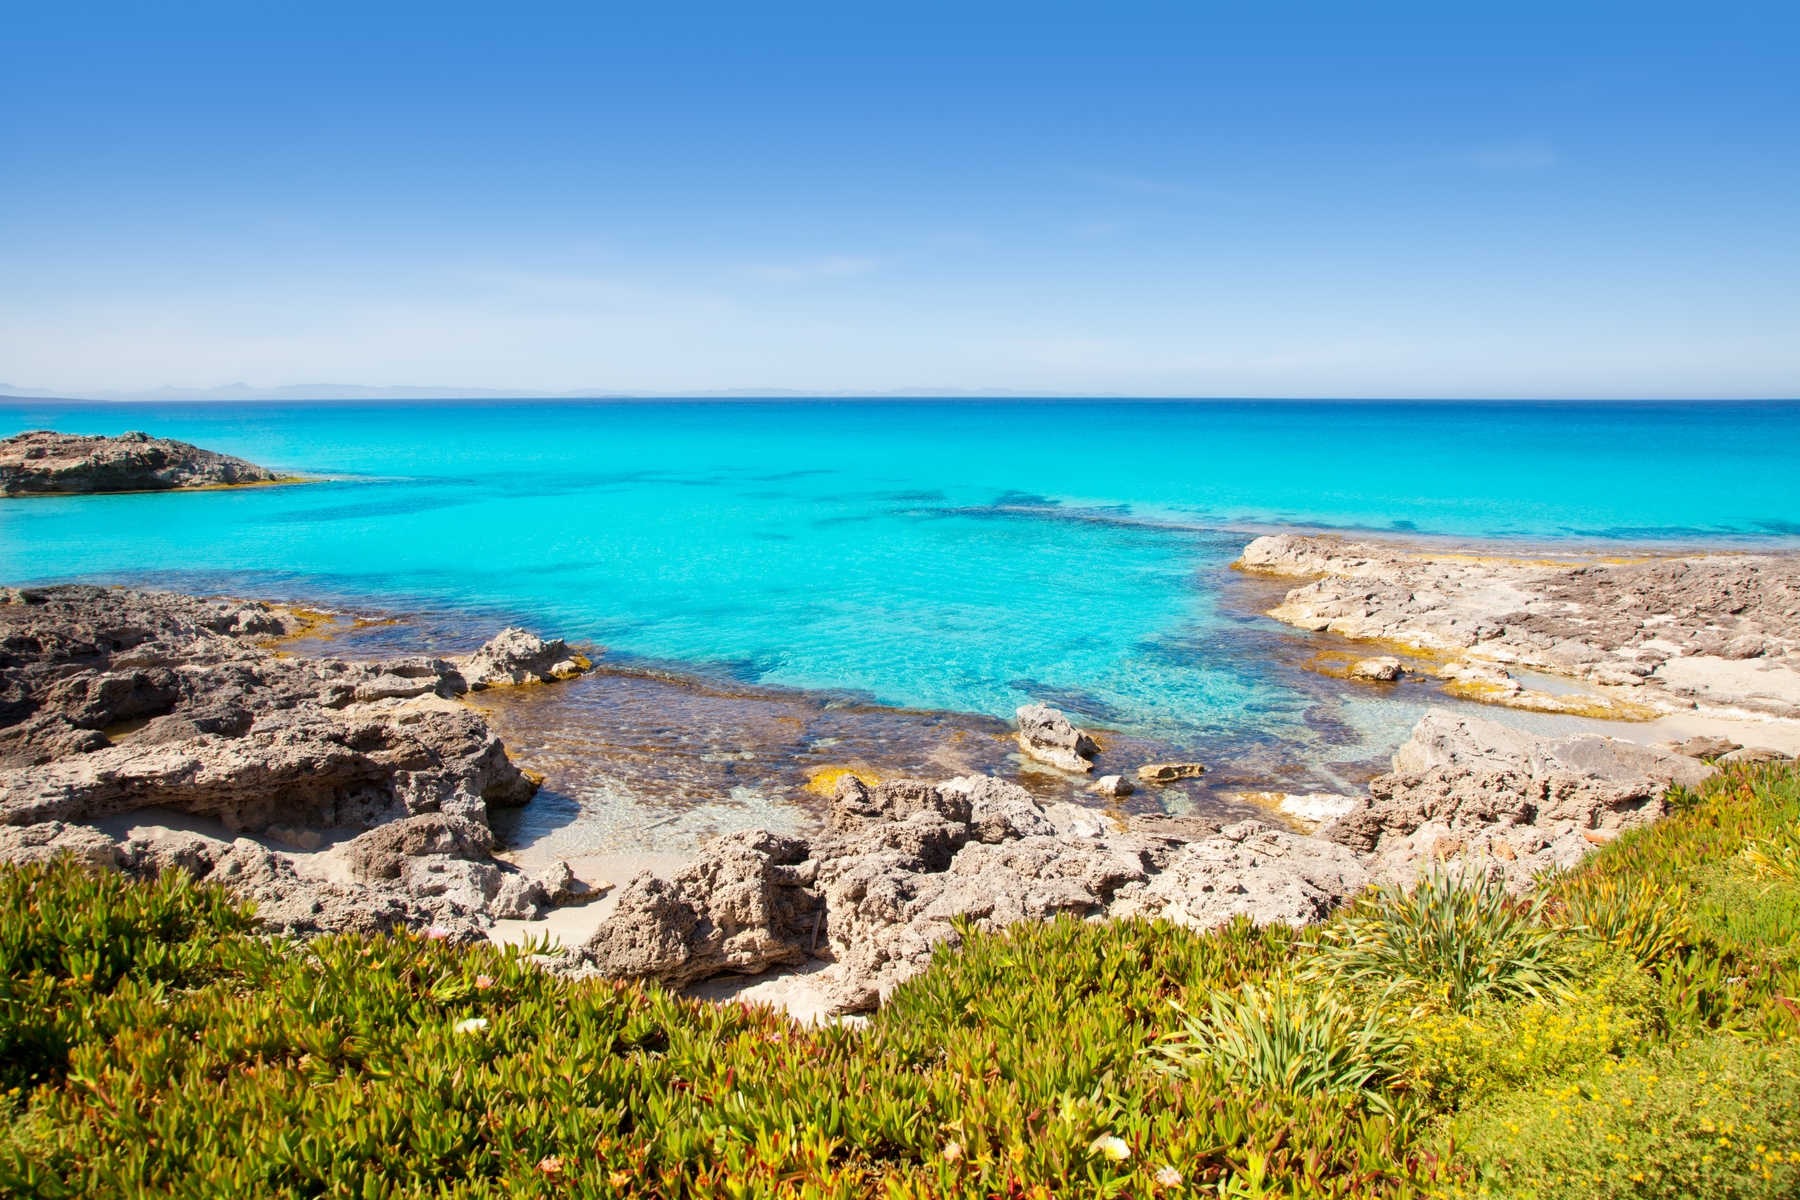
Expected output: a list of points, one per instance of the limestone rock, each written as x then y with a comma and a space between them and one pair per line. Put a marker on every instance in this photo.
729, 910
1701, 746
1384, 669
1462, 786
516, 656
1112, 785
1170, 772
1676, 632
382, 853
999, 810
1751, 754
42, 461
52, 840
1249, 869
1046, 735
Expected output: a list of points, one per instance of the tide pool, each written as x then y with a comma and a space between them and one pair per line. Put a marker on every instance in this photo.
959, 555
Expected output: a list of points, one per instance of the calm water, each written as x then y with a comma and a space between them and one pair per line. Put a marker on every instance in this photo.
959, 557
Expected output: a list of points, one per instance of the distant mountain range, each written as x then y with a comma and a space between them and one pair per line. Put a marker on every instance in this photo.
352, 391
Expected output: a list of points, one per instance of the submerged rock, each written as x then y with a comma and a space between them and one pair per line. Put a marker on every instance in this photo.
1170, 772
42, 461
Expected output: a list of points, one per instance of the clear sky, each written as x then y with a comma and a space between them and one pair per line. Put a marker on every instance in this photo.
1256, 199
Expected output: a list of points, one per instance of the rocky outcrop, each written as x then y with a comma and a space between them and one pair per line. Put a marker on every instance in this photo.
906, 862
112, 701
515, 656
1656, 634
1046, 735
42, 462
1170, 772
1467, 793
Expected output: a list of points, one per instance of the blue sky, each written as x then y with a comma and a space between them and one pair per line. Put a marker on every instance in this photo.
1273, 199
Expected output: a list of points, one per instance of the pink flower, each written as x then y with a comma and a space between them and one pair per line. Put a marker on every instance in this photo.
437, 933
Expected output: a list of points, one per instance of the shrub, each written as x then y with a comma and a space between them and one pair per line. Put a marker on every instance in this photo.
1460, 1057
75, 949
1712, 1118
1293, 1040
1458, 944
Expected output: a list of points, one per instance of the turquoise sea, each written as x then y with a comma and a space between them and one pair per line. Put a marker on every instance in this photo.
957, 557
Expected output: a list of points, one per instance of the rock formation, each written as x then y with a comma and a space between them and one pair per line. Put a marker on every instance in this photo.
1657, 634
1046, 735
112, 701
41, 462
906, 860
1466, 791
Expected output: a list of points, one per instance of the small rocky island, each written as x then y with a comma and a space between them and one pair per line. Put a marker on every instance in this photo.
43, 462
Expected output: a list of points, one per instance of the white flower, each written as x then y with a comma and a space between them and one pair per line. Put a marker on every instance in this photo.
1113, 1149
1168, 1177
952, 1151
471, 1025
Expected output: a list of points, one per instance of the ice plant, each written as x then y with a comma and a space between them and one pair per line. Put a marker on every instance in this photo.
1168, 1177
471, 1025
1112, 1149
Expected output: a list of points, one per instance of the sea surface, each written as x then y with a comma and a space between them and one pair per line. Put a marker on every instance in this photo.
779, 588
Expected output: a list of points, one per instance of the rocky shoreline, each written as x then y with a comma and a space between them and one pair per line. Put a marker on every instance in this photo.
356, 796
1715, 633
43, 462
118, 702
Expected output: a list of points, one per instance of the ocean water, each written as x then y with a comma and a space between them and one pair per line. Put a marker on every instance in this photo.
890, 558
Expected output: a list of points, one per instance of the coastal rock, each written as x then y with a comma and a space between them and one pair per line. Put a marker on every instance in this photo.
1112, 785
1664, 633
382, 853
731, 910
52, 840
1170, 772
42, 461
1046, 735
1701, 746
516, 656
114, 700
999, 810
906, 860
1467, 793
1385, 669
1751, 754
1250, 870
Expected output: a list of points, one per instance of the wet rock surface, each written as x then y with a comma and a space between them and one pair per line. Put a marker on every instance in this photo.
113, 701
42, 461
1717, 631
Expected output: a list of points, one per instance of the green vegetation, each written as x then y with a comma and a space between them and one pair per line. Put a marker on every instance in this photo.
1633, 1031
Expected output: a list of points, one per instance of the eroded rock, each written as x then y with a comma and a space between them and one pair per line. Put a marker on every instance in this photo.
1468, 793
1046, 735
43, 461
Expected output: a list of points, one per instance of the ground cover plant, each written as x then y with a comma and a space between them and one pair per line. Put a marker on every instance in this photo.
1630, 1031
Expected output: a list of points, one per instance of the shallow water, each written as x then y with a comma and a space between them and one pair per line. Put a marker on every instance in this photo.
826, 584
